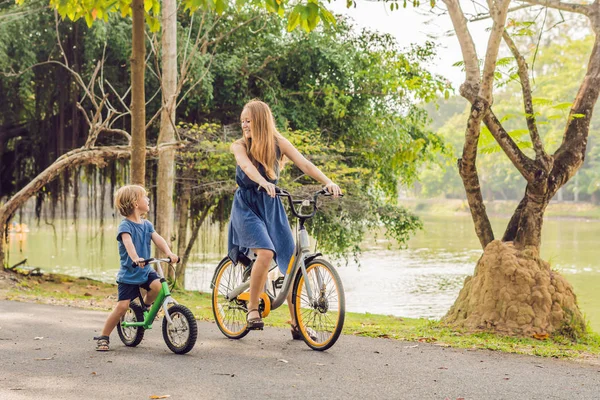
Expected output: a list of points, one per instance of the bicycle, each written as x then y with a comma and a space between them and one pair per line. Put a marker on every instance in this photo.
318, 296
179, 326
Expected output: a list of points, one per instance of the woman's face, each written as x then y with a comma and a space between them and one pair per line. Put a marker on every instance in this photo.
246, 124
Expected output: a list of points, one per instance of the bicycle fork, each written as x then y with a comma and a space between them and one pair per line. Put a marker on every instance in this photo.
304, 243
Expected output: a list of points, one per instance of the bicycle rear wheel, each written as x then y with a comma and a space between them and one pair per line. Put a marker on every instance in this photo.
320, 319
230, 316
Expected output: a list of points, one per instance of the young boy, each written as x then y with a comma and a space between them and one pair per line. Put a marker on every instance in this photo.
134, 235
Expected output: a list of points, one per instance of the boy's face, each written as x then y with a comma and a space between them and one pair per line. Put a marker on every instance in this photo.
143, 204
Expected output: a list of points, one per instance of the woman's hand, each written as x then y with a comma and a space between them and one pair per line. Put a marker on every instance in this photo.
269, 188
333, 189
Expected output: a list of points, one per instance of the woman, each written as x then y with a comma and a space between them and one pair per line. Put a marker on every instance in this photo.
258, 220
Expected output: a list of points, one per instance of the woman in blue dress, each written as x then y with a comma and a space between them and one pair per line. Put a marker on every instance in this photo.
258, 220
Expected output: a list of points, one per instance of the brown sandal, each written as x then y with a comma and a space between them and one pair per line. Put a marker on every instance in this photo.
102, 343
254, 323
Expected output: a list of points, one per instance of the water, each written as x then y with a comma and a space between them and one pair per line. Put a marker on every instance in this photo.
421, 281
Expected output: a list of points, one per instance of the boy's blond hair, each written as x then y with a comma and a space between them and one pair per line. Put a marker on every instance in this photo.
126, 197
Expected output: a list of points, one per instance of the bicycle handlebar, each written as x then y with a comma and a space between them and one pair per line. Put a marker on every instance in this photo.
153, 260
304, 203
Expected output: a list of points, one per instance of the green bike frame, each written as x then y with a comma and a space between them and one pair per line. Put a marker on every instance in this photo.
163, 300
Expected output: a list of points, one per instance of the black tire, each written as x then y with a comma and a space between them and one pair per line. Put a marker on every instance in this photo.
133, 335
230, 316
321, 323
180, 336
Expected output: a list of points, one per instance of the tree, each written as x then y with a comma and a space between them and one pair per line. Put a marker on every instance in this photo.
557, 72
512, 289
165, 181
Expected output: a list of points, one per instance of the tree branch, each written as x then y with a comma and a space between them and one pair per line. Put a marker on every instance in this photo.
561, 5
468, 172
524, 164
467, 46
571, 153
498, 11
527, 97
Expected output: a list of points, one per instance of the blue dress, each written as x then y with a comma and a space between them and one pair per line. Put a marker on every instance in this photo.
259, 221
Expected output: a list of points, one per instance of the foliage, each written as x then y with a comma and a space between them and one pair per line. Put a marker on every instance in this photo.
340, 225
557, 71
305, 15
345, 98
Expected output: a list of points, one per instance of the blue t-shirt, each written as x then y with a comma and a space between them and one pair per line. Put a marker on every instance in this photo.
141, 236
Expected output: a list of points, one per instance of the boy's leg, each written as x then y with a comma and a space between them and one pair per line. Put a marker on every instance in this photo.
153, 286
115, 316
126, 294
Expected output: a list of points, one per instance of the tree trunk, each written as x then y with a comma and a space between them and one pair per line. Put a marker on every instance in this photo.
183, 207
512, 290
166, 158
72, 159
138, 98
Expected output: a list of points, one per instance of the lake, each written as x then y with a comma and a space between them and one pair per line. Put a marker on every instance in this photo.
420, 281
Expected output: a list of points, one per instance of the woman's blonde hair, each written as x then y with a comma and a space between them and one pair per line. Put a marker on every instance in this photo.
261, 147
126, 197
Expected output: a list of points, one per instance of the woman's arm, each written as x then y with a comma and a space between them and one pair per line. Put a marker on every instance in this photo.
241, 157
307, 167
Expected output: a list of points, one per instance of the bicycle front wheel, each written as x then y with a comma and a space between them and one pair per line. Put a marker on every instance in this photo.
181, 335
230, 316
321, 318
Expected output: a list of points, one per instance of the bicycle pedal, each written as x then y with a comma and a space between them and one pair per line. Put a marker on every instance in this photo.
278, 283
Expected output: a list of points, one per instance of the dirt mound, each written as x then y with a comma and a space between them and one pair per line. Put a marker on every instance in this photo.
515, 292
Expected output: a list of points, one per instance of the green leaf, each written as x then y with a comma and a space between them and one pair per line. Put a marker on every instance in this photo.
313, 16
89, 20
562, 106
293, 19
220, 6
327, 16
537, 101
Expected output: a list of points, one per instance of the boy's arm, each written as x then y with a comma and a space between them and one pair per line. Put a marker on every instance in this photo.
163, 246
128, 243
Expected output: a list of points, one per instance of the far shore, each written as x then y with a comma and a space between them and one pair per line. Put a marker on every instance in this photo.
501, 208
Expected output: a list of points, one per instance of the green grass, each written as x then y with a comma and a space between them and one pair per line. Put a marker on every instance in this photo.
96, 295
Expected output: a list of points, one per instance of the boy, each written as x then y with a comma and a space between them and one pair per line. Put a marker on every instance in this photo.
134, 235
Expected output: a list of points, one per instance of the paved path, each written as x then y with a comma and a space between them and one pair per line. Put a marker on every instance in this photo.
63, 365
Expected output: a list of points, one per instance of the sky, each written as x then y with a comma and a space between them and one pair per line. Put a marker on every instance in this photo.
410, 25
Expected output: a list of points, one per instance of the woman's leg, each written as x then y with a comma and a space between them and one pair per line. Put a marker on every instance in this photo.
291, 307
258, 277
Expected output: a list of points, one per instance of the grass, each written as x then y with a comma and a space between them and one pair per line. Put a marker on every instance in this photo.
89, 294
